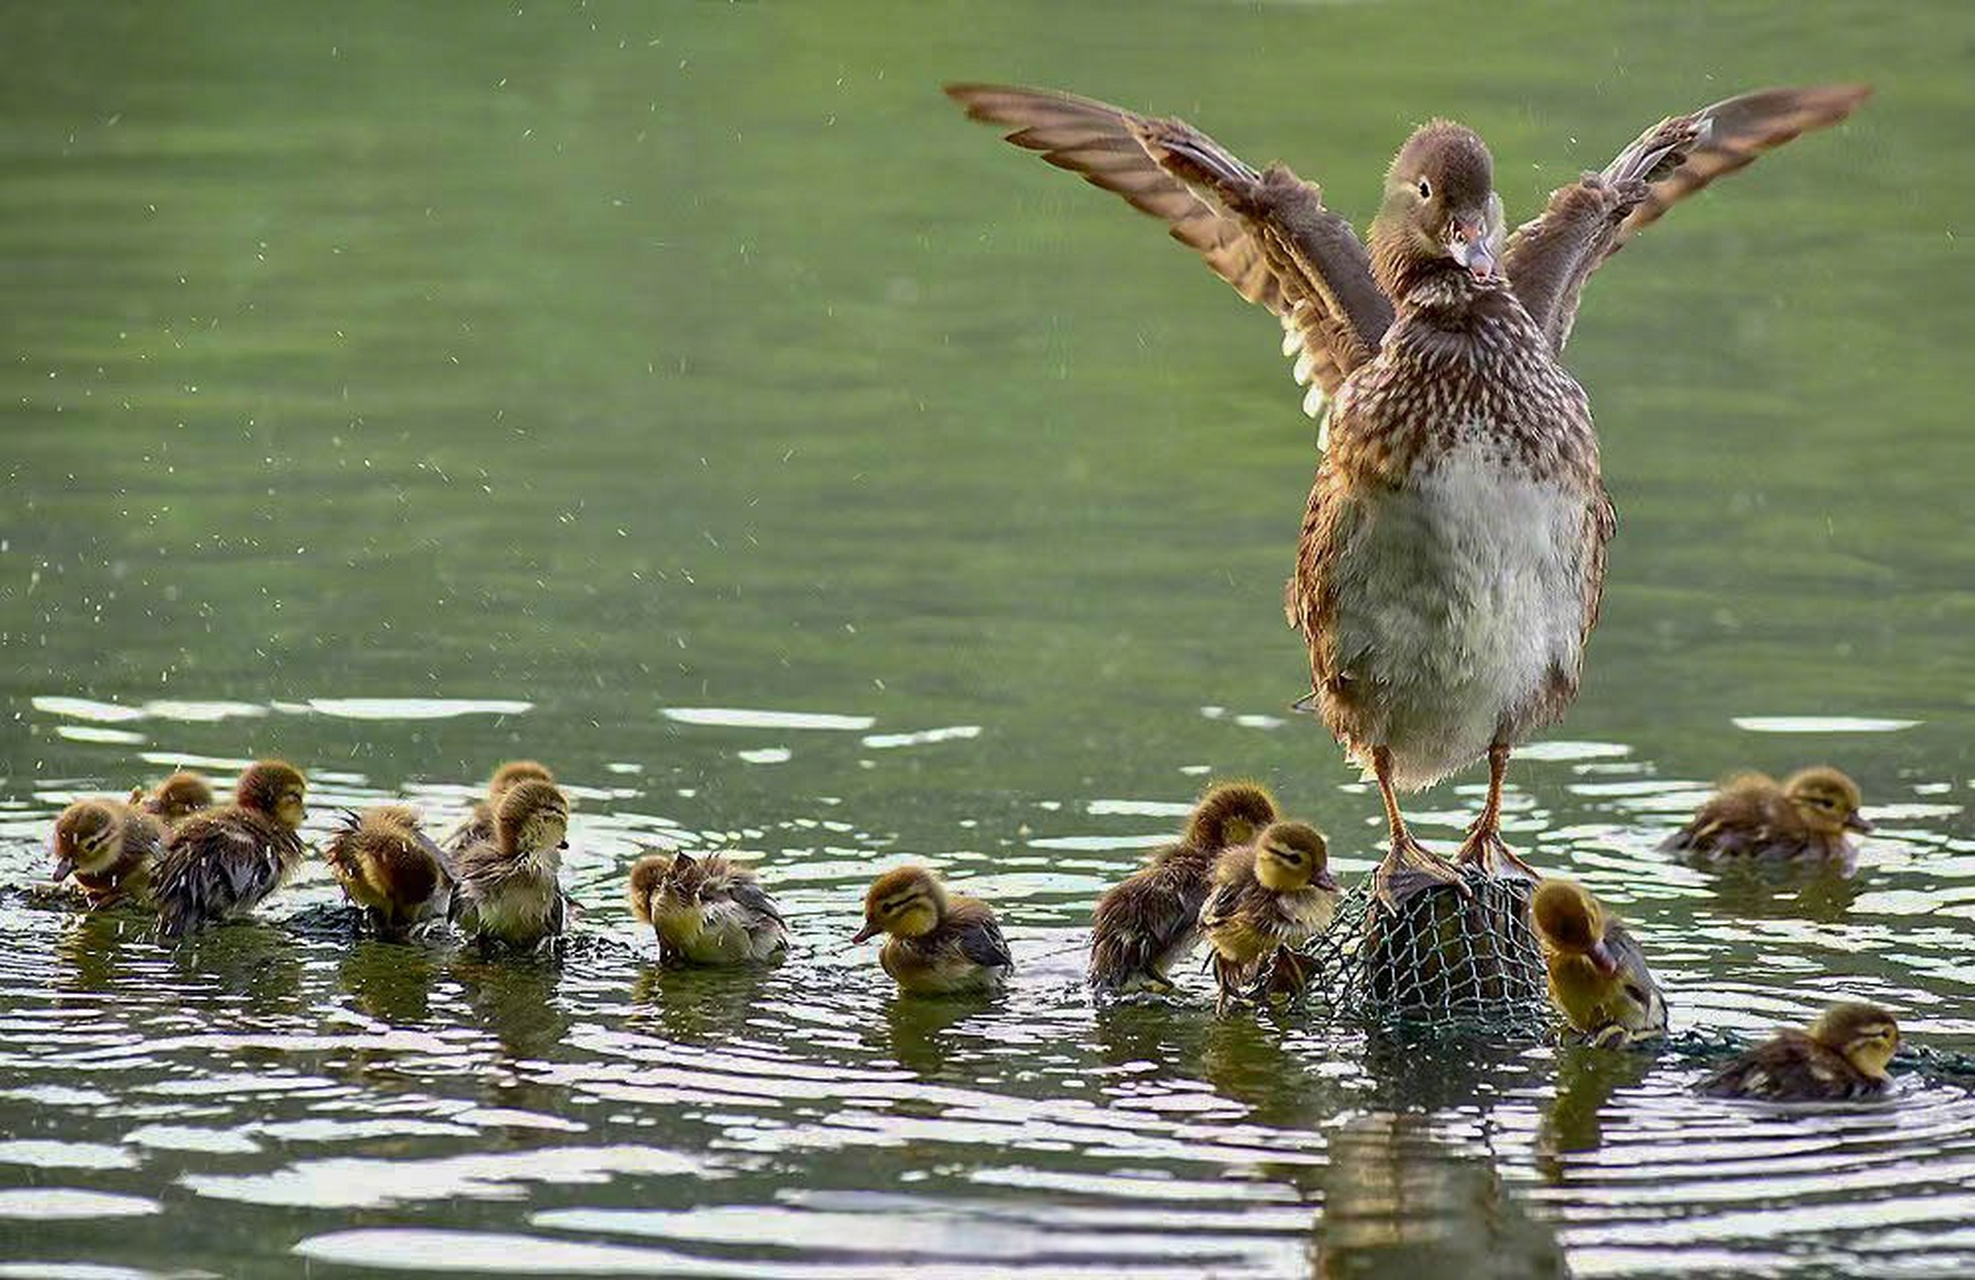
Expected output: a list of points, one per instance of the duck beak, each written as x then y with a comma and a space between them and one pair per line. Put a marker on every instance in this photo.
1469, 246
868, 932
1856, 821
1602, 959
1325, 881
562, 844
63, 866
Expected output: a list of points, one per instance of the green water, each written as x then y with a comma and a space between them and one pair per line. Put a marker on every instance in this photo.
401, 388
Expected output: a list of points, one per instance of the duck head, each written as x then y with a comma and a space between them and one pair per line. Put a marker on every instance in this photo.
88, 838
1440, 208
1865, 1034
1570, 922
1291, 856
183, 793
532, 818
647, 878
1827, 799
1230, 813
516, 771
275, 788
906, 903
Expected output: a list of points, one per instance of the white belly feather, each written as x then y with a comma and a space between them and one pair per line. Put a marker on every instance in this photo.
1458, 597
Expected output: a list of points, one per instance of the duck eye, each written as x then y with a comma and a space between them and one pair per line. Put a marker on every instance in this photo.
1426, 189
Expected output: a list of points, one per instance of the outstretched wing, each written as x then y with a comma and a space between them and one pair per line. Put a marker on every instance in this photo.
1267, 234
1549, 258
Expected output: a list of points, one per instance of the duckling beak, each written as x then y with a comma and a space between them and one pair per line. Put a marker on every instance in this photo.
1324, 880
1856, 821
1469, 246
868, 932
562, 844
63, 866
1602, 959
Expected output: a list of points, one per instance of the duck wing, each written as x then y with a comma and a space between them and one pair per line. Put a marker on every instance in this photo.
1549, 258
1266, 233
979, 934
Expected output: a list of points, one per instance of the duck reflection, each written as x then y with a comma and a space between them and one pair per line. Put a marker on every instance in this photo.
1421, 1069
390, 981
514, 999
246, 963
696, 1005
1400, 1202
94, 945
1161, 1036
918, 1031
1587, 1078
1248, 1061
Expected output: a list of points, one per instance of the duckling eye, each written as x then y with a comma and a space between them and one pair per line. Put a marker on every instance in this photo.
1426, 189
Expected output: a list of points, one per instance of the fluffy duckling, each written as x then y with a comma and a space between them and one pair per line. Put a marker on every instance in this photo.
507, 891
1806, 818
1276, 892
1599, 980
939, 944
176, 798
388, 866
478, 825
109, 847
219, 864
1843, 1055
707, 910
1150, 920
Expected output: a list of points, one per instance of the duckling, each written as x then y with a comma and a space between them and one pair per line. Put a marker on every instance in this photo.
109, 847
939, 944
706, 910
478, 825
1276, 892
1805, 818
176, 798
507, 890
1843, 1055
1599, 980
388, 866
219, 864
1150, 920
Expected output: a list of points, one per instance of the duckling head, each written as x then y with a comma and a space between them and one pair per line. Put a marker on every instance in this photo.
276, 788
647, 878
182, 793
1865, 1034
88, 838
532, 818
906, 903
1291, 856
1828, 800
517, 771
1230, 813
1570, 922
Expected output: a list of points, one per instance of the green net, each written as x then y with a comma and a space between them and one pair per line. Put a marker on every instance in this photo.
1445, 958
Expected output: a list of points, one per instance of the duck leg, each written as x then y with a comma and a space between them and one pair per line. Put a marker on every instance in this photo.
1408, 866
1484, 846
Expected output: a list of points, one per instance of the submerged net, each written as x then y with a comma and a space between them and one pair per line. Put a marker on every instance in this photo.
1444, 959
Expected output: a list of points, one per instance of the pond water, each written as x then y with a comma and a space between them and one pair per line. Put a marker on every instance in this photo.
686, 396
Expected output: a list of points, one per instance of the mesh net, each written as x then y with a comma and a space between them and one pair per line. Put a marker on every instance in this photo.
1442, 958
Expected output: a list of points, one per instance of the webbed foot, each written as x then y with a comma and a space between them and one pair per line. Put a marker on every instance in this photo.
1409, 868
1485, 850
